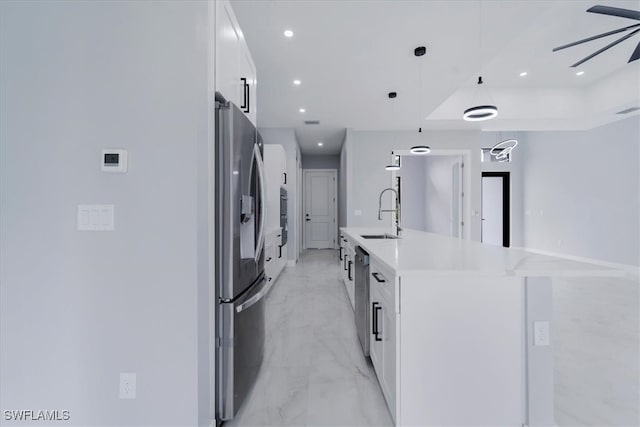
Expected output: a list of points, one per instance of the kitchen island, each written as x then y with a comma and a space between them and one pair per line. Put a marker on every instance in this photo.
460, 330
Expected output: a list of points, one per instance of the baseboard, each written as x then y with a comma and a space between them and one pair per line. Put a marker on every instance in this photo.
291, 263
632, 271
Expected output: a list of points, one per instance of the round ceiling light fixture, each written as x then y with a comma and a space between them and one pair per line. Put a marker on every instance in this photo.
288, 33
420, 149
480, 113
502, 150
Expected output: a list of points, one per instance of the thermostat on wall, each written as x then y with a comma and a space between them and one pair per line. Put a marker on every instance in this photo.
114, 160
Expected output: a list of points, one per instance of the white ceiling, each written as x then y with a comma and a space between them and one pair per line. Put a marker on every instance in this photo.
349, 54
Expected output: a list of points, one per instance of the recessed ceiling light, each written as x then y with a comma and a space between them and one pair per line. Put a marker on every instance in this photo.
320, 144
522, 74
297, 82
302, 110
579, 73
288, 33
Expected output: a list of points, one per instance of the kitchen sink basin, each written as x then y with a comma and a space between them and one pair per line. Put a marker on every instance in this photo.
378, 236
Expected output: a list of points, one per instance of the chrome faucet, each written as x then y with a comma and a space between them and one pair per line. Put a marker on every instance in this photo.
396, 210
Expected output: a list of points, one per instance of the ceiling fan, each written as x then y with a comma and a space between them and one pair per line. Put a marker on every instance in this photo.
612, 11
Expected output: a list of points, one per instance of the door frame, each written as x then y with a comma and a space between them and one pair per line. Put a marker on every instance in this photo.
506, 205
334, 173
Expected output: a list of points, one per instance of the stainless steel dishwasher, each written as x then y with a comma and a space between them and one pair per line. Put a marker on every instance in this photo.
362, 298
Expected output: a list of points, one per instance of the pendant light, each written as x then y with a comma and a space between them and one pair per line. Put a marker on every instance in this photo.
502, 150
420, 149
480, 112
486, 111
395, 166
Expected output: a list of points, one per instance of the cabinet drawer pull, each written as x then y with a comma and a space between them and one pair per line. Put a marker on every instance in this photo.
349, 272
341, 248
374, 320
268, 259
285, 178
245, 88
378, 279
344, 265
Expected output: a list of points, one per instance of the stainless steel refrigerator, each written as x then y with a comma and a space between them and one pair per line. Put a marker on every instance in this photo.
241, 284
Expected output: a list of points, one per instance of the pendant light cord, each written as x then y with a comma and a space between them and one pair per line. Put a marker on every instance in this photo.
419, 93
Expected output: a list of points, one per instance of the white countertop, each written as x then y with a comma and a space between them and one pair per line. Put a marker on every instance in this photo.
433, 254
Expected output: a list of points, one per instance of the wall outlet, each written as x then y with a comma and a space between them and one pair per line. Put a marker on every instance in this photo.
541, 336
357, 213
127, 385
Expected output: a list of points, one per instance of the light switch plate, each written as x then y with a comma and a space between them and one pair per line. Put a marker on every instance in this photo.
96, 218
541, 336
357, 212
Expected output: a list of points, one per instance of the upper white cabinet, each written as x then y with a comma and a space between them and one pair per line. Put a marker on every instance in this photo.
235, 71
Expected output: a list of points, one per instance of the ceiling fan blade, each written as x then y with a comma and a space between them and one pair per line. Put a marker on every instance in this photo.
636, 53
610, 45
609, 33
615, 11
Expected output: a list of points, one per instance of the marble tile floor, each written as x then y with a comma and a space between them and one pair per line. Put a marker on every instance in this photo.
314, 372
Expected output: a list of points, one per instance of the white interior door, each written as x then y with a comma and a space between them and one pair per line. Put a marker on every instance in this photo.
319, 209
492, 217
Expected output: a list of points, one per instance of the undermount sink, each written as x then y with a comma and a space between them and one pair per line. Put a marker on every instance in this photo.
378, 236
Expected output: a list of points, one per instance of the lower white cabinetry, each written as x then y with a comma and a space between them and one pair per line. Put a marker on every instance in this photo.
275, 254
348, 259
385, 321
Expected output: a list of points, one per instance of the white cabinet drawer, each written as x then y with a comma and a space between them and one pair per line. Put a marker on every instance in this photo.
383, 279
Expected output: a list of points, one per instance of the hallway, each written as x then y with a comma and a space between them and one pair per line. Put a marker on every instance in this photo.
314, 372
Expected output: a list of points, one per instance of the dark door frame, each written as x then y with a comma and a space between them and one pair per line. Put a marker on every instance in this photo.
506, 204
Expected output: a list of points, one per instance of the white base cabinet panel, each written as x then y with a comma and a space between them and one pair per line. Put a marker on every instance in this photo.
275, 259
348, 259
461, 351
383, 331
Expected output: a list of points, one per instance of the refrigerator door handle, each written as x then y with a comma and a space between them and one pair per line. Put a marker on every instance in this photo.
260, 168
257, 297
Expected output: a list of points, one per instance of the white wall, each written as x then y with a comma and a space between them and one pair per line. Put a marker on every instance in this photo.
367, 153
287, 138
320, 162
413, 195
581, 192
78, 308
